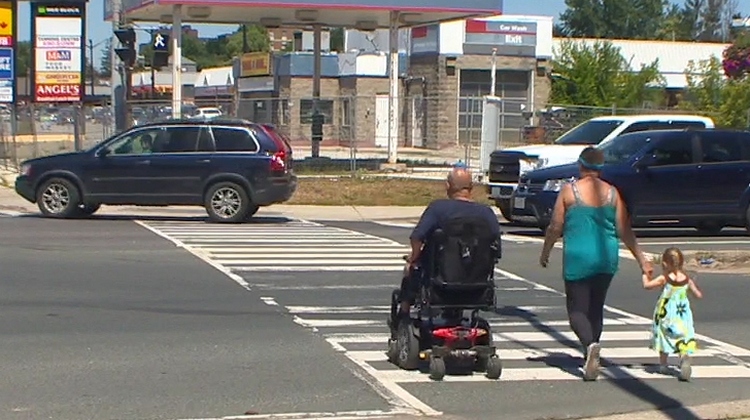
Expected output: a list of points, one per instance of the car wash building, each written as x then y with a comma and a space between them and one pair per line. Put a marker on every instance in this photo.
450, 68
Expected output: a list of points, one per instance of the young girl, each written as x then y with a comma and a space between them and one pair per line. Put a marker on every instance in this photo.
673, 331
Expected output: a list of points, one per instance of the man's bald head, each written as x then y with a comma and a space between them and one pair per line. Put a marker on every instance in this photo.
459, 179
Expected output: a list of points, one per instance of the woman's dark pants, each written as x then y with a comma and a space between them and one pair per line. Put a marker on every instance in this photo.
585, 303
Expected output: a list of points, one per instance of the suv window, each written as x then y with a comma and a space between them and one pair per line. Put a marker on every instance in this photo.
673, 150
662, 125
230, 139
179, 139
136, 142
721, 147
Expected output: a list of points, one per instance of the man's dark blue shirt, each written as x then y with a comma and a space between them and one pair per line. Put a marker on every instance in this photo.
440, 211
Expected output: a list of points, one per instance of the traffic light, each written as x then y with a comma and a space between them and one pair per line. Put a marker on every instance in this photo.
127, 52
160, 50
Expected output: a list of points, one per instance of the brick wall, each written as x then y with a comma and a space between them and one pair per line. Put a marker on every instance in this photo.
297, 88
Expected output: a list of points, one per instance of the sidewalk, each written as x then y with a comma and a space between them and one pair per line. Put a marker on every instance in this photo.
736, 410
11, 202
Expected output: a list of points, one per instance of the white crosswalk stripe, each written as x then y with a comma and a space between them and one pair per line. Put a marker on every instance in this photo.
532, 348
290, 246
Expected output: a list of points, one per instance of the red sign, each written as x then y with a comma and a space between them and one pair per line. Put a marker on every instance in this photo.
6, 41
58, 93
58, 55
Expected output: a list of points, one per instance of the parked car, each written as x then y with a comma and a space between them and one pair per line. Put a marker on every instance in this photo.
508, 165
670, 178
230, 167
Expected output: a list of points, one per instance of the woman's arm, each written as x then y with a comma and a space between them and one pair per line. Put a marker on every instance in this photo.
649, 284
555, 228
625, 230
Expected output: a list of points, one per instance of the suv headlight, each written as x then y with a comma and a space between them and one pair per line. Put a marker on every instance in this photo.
555, 185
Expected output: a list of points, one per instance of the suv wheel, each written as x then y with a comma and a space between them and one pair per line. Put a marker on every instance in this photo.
59, 198
227, 202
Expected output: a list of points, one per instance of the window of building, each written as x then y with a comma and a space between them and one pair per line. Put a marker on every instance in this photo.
325, 107
346, 109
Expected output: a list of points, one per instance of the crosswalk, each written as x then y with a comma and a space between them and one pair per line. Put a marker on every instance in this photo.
530, 326
288, 246
531, 350
535, 343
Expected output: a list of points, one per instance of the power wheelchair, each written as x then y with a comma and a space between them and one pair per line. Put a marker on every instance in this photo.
454, 274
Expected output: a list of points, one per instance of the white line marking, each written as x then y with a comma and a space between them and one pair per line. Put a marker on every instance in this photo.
312, 260
499, 337
253, 240
344, 415
238, 279
269, 301
320, 253
556, 374
328, 287
495, 324
320, 268
737, 242
276, 247
524, 354
296, 309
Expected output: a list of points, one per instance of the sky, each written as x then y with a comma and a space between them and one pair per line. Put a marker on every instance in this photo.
99, 30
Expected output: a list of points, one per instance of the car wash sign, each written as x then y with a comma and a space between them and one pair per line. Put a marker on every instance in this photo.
508, 38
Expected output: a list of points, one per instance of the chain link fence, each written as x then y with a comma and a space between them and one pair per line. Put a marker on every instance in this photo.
432, 132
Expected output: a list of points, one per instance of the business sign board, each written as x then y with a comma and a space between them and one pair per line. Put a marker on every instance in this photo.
255, 64
7, 52
425, 39
58, 33
507, 38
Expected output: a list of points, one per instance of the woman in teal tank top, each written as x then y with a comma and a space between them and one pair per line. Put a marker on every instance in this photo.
592, 219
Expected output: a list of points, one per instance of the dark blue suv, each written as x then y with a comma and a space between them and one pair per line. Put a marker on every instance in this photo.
230, 167
670, 178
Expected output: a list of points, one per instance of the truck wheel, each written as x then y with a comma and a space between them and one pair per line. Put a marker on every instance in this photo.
504, 205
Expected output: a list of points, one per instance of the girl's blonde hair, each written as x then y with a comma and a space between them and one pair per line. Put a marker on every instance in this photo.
673, 259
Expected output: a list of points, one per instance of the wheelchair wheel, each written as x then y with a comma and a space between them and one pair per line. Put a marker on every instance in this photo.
407, 344
437, 368
494, 367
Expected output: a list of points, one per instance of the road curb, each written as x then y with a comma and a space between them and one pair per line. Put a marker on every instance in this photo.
715, 411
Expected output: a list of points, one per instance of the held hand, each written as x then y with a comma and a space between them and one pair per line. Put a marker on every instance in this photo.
647, 269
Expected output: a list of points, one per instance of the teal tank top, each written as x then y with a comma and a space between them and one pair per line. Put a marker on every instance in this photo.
591, 244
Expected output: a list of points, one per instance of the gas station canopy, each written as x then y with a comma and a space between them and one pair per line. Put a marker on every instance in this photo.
364, 15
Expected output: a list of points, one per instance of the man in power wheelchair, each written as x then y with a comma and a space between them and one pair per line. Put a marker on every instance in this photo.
455, 247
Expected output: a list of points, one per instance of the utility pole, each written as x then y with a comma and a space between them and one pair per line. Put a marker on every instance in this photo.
93, 72
113, 63
152, 32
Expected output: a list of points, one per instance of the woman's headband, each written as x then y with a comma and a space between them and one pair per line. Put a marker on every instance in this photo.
592, 166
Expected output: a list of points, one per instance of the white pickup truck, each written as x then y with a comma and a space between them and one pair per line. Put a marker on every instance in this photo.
507, 165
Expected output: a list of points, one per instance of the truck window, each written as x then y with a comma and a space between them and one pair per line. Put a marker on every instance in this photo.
589, 133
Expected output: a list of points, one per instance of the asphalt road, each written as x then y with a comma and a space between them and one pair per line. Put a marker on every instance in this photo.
107, 318
102, 319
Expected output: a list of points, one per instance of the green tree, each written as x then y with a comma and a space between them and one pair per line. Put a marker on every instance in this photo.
105, 63
629, 19
337, 39
23, 58
727, 100
598, 75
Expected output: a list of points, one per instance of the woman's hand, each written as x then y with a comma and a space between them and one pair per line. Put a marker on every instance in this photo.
544, 259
